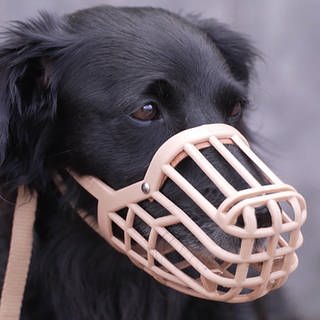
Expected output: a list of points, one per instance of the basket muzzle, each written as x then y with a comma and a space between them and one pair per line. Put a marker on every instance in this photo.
239, 275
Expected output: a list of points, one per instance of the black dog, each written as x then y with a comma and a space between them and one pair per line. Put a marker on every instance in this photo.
99, 91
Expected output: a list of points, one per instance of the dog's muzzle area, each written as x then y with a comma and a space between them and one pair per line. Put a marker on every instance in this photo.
193, 174
209, 219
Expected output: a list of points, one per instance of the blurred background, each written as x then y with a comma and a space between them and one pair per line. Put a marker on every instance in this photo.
285, 95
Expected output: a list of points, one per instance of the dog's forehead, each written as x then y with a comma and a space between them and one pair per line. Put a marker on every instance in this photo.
120, 55
137, 43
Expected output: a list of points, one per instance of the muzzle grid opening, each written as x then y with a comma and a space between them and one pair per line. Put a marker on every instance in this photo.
200, 264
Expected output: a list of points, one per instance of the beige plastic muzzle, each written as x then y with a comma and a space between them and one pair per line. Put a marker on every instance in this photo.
232, 276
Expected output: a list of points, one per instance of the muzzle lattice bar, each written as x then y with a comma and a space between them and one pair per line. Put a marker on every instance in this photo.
264, 255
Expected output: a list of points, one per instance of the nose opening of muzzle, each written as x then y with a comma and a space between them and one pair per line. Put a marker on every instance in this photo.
263, 216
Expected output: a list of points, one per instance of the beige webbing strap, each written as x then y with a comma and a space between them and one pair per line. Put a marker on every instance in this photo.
19, 255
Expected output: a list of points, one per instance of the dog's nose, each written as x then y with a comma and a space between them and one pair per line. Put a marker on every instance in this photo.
262, 215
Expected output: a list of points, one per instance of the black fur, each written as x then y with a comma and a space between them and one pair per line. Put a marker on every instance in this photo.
68, 86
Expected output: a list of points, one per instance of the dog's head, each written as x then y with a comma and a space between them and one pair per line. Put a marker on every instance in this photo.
100, 90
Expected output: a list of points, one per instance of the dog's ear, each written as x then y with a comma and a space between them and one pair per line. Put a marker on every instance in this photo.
236, 49
28, 92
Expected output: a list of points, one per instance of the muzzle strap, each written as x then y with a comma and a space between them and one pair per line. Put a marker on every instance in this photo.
19, 255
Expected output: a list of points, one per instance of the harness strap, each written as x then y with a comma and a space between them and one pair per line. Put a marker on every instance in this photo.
19, 255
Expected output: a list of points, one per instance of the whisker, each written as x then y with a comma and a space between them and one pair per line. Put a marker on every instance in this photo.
6, 200
61, 152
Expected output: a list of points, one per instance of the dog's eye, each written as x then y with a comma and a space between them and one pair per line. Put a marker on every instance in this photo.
148, 112
236, 109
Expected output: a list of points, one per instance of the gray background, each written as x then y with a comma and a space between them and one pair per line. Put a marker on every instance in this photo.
285, 95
